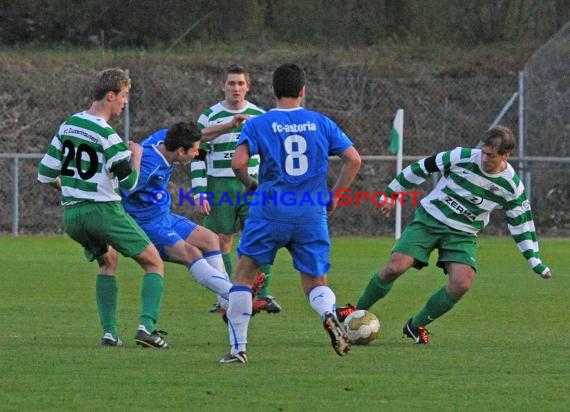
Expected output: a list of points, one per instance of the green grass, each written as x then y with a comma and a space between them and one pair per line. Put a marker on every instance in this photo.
503, 347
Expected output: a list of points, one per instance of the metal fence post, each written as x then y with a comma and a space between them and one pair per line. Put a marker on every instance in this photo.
523, 173
126, 117
15, 195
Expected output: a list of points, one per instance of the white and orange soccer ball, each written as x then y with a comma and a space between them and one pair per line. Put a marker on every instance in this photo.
362, 327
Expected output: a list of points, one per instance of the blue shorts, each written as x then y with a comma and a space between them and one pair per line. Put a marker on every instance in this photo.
166, 232
308, 244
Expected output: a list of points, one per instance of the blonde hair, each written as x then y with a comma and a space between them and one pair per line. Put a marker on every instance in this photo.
110, 80
501, 137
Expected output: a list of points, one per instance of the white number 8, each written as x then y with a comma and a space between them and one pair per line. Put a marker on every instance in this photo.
296, 163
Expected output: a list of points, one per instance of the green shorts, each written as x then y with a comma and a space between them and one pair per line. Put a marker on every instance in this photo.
229, 211
96, 225
426, 234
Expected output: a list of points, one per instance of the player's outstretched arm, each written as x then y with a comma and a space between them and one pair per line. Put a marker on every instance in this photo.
520, 223
211, 132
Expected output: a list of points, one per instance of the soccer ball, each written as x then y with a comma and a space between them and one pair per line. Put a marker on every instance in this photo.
362, 327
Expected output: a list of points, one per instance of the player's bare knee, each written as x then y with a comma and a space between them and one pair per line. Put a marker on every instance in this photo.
211, 243
225, 242
192, 252
150, 260
461, 277
390, 273
108, 262
204, 239
397, 266
459, 286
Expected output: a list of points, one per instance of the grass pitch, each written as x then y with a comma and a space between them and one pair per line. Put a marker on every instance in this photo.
503, 347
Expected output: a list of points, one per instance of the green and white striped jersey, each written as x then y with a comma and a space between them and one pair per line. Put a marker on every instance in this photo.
82, 154
219, 151
465, 196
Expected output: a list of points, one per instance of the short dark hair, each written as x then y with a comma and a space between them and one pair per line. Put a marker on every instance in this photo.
110, 80
236, 69
501, 137
288, 80
182, 134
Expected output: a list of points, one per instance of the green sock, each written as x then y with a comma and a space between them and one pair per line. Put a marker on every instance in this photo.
106, 296
374, 291
438, 304
227, 258
265, 289
151, 296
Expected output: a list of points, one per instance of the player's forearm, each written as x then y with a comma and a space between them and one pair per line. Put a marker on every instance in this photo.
347, 174
241, 170
136, 162
211, 132
412, 176
527, 243
535, 262
240, 163
242, 174
350, 167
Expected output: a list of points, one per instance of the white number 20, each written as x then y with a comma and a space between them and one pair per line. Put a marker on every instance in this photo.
296, 163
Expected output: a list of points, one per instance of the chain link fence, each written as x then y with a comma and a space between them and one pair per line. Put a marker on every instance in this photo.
547, 127
440, 113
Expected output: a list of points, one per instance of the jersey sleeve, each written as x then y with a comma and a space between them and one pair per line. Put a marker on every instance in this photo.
418, 172
198, 167
339, 141
115, 152
129, 182
155, 138
146, 168
203, 120
198, 177
49, 167
521, 226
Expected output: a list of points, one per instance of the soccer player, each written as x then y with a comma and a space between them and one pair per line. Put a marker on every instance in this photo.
85, 161
289, 208
474, 183
177, 238
221, 125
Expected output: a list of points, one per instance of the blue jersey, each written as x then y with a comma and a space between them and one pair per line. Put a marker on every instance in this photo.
155, 138
294, 146
150, 199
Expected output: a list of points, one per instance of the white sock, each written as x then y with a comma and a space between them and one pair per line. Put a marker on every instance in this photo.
211, 278
323, 300
239, 314
215, 260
